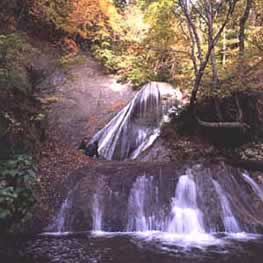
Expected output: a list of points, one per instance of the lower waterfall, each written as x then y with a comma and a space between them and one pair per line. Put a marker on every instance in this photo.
258, 190
187, 217
166, 199
97, 214
230, 222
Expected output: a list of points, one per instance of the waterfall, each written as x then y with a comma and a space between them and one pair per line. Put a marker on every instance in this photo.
187, 218
59, 224
137, 220
193, 201
230, 222
144, 210
97, 213
256, 188
134, 128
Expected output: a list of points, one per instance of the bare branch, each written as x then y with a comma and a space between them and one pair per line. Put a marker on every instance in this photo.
192, 27
197, 10
211, 44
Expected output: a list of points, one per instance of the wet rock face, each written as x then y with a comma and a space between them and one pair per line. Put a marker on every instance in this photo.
110, 195
209, 202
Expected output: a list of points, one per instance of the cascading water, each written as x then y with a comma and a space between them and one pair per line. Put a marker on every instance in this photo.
257, 189
134, 128
138, 221
190, 204
145, 212
187, 218
164, 199
97, 213
230, 222
62, 220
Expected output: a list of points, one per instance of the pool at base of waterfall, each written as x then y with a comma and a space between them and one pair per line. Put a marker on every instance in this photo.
142, 247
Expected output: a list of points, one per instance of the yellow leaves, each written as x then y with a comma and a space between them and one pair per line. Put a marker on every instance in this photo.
85, 15
134, 26
81, 17
114, 18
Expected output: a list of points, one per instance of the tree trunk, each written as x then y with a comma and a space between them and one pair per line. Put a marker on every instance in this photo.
224, 48
242, 28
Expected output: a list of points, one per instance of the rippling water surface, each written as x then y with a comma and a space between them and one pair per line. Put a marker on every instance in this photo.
146, 247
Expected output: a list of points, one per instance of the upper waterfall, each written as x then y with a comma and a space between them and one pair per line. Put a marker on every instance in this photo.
133, 128
137, 125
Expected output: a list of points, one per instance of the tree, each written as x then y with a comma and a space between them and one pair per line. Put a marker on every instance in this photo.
74, 17
242, 26
206, 11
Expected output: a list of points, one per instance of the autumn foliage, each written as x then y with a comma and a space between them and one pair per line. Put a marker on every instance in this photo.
75, 17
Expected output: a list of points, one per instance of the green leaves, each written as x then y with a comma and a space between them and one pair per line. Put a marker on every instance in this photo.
17, 183
14, 53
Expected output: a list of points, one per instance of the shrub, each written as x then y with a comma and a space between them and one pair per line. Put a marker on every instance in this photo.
17, 182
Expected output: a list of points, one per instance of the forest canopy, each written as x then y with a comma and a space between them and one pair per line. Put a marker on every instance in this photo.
162, 37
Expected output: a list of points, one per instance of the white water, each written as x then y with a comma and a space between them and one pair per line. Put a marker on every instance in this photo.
59, 223
136, 205
147, 213
134, 128
230, 222
183, 225
257, 189
144, 212
187, 218
150, 217
97, 213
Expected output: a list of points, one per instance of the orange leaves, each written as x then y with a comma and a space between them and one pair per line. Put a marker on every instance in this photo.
73, 16
84, 14
69, 47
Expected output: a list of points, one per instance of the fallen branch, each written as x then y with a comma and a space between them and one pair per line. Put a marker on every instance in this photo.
228, 125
